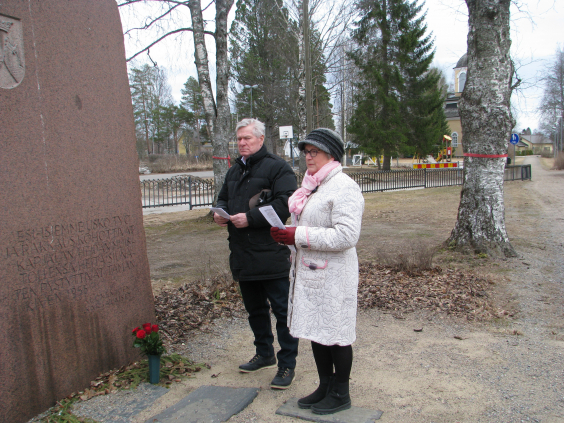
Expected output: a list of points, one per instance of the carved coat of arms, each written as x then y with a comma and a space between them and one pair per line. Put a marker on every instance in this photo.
12, 65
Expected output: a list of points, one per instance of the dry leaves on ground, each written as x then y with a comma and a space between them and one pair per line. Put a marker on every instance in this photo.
457, 293
194, 306
449, 292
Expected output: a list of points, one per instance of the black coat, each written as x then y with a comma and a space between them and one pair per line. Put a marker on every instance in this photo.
254, 254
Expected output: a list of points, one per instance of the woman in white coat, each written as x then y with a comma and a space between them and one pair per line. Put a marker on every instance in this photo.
326, 219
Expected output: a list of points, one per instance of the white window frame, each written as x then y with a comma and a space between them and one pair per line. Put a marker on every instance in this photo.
459, 75
454, 137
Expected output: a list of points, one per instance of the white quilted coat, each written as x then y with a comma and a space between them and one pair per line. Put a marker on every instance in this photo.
324, 274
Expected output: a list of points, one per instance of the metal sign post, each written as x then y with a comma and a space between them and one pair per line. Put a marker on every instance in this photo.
287, 133
514, 140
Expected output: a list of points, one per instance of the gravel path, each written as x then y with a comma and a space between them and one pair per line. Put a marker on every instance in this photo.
510, 370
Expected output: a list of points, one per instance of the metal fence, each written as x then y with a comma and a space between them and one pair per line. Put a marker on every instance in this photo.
197, 192
518, 173
387, 180
176, 191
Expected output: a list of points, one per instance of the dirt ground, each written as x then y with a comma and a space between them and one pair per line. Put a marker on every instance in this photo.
453, 370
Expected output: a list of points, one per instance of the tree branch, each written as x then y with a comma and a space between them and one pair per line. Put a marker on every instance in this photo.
128, 2
177, 2
206, 8
154, 20
516, 84
162, 38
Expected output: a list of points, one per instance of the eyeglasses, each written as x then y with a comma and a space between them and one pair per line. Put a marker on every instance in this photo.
312, 153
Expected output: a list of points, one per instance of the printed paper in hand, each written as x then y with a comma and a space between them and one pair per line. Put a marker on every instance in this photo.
221, 212
271, 217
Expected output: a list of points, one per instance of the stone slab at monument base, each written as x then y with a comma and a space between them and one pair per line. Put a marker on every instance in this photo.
121, 406
352, 415
208, 404
74, 274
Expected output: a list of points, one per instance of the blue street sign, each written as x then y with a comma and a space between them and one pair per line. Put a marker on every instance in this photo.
514, 139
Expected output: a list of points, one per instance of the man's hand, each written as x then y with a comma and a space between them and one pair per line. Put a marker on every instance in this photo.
284, 236
240, 220
221, 221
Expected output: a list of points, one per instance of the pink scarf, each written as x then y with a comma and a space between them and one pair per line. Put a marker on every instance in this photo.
297, 201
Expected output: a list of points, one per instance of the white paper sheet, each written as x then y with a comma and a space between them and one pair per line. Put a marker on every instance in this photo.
221, 212
271, 217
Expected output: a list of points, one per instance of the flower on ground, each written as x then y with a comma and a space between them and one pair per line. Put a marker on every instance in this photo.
155, 328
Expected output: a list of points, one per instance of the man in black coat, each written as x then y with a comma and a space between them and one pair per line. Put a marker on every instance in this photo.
258, 263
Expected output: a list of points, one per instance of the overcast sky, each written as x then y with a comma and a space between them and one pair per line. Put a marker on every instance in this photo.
536, 31
537, 28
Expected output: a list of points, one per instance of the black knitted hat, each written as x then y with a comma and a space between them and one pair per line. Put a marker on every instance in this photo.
327, 140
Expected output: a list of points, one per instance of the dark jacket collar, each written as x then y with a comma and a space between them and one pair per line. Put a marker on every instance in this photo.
253, 159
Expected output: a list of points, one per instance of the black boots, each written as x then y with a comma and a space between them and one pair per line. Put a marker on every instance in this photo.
338, 399
325, 386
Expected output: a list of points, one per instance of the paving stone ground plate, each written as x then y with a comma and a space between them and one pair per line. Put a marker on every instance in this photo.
352, 415
121, 406
207, 404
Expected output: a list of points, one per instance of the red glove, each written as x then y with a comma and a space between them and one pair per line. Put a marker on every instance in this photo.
284, 236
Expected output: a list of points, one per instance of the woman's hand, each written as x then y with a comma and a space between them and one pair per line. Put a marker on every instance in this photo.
284, 236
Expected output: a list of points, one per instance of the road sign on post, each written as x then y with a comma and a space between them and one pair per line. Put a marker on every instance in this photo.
514, 140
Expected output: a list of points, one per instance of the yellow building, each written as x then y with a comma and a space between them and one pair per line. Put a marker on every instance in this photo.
181, 146
537, 143
451, 105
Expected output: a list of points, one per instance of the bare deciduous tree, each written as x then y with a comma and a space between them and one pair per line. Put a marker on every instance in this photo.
552, 103
216, 109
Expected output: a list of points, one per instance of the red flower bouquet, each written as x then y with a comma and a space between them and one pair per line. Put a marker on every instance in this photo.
148, 339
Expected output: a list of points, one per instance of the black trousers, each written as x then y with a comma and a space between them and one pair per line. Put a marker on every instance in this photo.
259, 297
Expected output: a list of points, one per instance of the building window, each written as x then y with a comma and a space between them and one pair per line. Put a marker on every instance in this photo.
461, 81
454, 136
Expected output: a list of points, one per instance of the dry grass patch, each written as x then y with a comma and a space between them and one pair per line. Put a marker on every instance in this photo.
176, 163
559, 161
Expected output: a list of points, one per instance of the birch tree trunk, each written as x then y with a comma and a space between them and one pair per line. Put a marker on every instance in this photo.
202, 65
302, 105
223, 117
486, 124
217, 115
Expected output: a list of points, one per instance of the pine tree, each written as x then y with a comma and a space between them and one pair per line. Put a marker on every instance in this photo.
399, 103
192, 101
423, 101
264, 54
